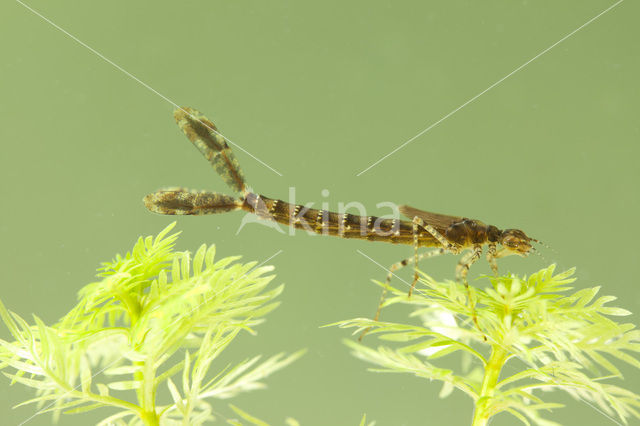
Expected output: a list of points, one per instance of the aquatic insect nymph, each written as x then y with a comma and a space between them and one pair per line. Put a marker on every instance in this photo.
447, 234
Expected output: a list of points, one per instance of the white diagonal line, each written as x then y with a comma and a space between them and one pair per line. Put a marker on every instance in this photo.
389, 271
117, 360
422, 132
136, 79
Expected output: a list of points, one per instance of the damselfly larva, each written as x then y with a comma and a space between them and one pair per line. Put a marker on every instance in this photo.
447, 234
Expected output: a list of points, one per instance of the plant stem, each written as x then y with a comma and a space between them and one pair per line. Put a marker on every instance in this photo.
150, 418
147, 392
491, 374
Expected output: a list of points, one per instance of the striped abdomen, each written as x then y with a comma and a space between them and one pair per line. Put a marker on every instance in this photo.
343, 225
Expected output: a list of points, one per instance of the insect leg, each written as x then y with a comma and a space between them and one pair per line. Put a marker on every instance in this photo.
434, 232
394, 268
461, 275
491, 258
503, 252
415, 258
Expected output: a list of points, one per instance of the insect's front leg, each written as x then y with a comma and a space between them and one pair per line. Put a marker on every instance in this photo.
493, 254
491, 258
503, 252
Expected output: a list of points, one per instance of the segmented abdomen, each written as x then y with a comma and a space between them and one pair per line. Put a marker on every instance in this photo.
343, 225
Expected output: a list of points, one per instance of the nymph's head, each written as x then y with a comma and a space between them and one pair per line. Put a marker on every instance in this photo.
516, 242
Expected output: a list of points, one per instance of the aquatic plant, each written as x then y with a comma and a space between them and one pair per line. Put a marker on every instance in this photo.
156, 317
550, 338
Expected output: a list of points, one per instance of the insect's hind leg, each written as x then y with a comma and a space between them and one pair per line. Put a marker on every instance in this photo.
446, 245
396, 266
402, 264
461, 275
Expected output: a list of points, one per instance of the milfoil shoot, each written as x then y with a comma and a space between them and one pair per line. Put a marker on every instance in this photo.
564, 340
155, 318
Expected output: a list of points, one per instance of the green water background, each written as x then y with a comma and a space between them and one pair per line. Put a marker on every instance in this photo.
320, 91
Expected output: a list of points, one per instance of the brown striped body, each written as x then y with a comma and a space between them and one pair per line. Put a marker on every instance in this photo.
450, 234
344, 225
425, 230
